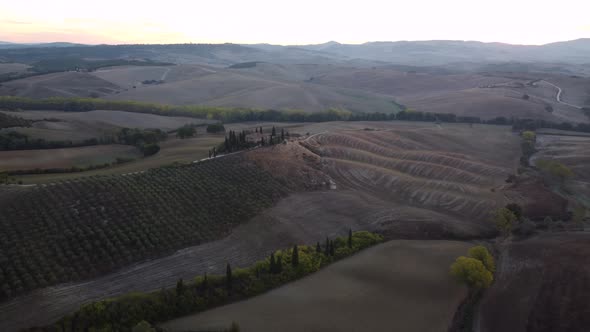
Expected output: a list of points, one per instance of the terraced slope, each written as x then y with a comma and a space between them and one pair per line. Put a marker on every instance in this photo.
450, 171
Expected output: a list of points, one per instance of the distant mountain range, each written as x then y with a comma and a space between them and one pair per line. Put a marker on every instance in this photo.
413, 53
6, 45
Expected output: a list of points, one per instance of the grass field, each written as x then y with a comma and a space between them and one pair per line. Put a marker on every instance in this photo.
397, 286
66, 158
114, 118
171, 151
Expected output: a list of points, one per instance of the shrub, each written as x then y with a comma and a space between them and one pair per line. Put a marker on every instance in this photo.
150, 149
504, 220
471, 272
482, 254
215, 128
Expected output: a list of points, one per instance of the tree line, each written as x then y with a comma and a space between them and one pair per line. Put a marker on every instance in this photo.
229, 115
208, 291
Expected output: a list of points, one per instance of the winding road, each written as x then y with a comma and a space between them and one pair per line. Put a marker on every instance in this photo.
558, 97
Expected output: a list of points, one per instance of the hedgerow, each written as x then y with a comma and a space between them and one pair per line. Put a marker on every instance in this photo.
209, 291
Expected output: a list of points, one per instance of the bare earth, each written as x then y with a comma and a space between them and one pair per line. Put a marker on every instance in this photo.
400, 285
542, 285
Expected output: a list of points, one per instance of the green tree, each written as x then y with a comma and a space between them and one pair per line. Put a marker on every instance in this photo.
504, 220
4, 177
295, 256
180, 288
516, 209
279, 264
482, 254
186, 131
471, 272
273, 265
350, 238
143, 326
318, 248
529, 135
228, 277
327, 247
555, 169
274, 132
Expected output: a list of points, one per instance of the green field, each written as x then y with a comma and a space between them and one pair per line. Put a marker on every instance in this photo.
401, 285
171, 151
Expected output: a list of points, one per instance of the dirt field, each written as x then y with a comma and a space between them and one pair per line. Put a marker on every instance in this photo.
542, 284
65, 158
65, 84
6, 68
397, 286
449, 170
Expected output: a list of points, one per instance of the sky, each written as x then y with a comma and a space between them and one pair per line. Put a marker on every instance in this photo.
292, 22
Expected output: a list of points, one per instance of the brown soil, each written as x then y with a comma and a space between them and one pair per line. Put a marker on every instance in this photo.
542, 284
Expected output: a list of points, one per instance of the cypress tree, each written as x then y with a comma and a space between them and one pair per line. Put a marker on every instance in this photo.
327, 248
214, 152
273, 132
282, 134
318, 248
295, 256
228, 277
260, 129
273, 265
279, 264
205, 283
332, 248
350, 238
179, 287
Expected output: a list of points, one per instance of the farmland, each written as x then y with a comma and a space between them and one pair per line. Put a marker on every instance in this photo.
172, 151
112, 210
126, 219
542, 285
66, 158
368, 292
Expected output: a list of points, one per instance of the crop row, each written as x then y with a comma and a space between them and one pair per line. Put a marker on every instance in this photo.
80, 229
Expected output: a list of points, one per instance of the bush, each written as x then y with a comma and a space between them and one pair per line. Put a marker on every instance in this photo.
150, 149
555, 169
215, 128
482, 254
471, 272
504, 219
186, 131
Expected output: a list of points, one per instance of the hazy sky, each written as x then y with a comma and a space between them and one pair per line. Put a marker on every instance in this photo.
292, 22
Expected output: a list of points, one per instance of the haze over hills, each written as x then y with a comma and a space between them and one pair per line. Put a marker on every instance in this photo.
424, 53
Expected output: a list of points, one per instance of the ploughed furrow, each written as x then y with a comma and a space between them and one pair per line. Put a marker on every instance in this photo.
418, 169
325, 146
348, 138
405, 189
